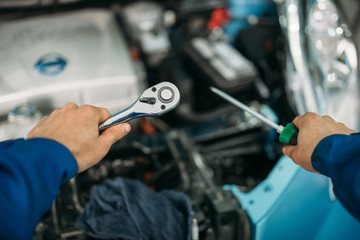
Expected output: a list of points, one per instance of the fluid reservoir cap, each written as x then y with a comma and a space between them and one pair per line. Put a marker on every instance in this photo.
166, 94
23, 113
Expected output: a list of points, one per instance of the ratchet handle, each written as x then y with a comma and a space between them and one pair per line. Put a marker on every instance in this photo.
289, 134
120, 117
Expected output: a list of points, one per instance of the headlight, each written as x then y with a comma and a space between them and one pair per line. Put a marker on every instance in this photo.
322, 62
329, 38
334, 52
324, 31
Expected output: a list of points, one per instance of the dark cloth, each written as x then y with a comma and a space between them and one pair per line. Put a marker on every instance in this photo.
127, 209
338, 157
31, 171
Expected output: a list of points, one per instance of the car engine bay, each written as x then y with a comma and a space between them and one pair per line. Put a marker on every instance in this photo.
105, 53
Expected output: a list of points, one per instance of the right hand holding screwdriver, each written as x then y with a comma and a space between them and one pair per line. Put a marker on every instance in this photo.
312, 129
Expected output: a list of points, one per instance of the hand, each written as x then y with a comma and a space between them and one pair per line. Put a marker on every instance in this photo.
77, 128
312, 129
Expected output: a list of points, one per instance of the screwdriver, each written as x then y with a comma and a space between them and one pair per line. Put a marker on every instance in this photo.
288, 134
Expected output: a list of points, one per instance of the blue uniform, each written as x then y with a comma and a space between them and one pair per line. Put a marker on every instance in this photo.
31, 171
338, 157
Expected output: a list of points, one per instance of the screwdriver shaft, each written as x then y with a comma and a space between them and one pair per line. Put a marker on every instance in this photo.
242, 106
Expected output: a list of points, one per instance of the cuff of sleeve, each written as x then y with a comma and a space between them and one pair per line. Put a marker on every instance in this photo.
326, 150
321, 153
66, 158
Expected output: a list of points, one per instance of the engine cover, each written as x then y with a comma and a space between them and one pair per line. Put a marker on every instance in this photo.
78, 56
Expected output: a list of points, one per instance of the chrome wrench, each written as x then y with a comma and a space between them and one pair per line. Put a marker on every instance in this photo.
154, 101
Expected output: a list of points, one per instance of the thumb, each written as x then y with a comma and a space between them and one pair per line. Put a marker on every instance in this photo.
115, 133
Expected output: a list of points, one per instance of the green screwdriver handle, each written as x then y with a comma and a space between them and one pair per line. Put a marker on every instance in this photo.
289, 134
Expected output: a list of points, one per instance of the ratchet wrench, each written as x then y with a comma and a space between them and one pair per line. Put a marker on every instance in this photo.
154, 101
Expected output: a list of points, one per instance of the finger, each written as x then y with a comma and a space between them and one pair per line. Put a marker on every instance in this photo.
296, 121
328, 118
304, 119
288, 150
54, 113
115, 133
104, 114
70, 105
95, 113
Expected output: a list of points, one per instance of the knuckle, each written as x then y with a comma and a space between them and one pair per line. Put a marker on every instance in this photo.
309, 118
88, 108
106, 111
43, 119
71, 105
327, 117
344, 127
311, 115
56, 111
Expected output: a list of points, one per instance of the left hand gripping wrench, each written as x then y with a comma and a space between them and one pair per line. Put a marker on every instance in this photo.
154, 101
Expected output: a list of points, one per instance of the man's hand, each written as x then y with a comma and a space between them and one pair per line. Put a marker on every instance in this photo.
77, 128
312, 129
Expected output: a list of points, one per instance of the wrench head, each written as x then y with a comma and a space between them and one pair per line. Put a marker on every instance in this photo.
158, 100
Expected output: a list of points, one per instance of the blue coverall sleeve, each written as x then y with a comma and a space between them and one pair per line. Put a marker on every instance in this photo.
338, 157
31, 171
